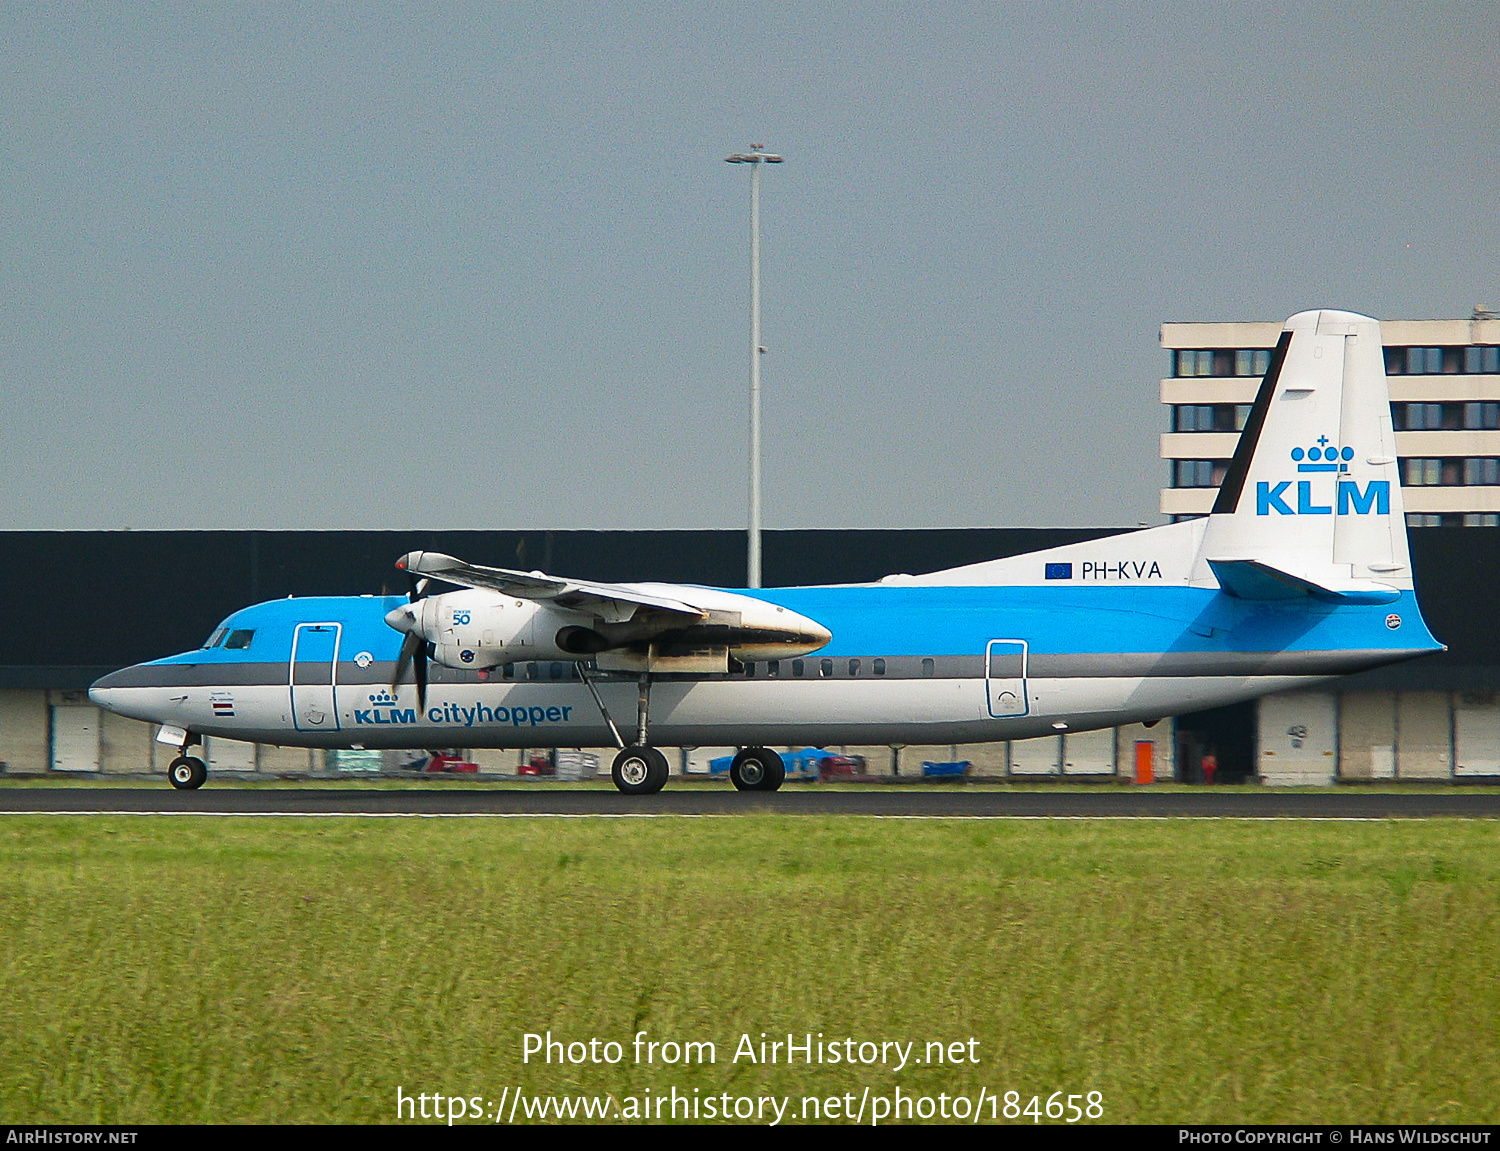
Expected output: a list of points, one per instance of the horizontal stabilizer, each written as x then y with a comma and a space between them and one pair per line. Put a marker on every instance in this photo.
1255, 579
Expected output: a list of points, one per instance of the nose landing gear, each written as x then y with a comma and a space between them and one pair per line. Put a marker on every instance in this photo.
187, 772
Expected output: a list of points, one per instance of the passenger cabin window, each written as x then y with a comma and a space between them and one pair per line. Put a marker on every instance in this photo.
878, 666
239, 640
797, 667
929, 667
773, 668
825, 668
854, 667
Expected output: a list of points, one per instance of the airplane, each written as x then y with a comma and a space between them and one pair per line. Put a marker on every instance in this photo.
1300, 573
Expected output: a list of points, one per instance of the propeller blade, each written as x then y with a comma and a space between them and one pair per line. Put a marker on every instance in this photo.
414, 645
409, 646
421, 675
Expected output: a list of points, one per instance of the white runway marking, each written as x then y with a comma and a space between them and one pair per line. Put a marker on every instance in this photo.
725, 815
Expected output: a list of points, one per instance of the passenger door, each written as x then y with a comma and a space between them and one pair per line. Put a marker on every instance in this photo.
314, 676
1005, 677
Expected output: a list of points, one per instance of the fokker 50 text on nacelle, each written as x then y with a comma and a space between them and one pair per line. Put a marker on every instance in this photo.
1300, 573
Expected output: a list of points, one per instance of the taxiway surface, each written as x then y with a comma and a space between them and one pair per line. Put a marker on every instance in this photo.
875, 801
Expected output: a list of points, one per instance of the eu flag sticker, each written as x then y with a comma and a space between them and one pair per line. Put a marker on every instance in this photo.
1059, 571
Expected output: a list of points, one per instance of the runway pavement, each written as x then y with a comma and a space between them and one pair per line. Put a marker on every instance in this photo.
550, 800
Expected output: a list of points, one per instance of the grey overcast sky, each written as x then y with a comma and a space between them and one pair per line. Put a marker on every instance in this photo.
448, 265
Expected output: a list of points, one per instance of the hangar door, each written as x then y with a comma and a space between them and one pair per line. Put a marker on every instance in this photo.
75, 737
1476, 729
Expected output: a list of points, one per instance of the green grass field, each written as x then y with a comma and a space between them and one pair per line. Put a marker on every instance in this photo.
300, 970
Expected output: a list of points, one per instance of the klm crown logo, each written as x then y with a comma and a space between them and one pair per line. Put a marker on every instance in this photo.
1323, 456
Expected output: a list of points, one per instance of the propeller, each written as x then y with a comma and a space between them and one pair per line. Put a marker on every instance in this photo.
414, 646
413, 649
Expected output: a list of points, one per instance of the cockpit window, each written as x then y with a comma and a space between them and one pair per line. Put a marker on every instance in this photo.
240, 639
217, 638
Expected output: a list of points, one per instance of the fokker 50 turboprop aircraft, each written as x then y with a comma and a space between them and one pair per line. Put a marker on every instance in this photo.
1300, 573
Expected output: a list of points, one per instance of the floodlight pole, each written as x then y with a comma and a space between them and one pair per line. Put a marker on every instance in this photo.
755, 158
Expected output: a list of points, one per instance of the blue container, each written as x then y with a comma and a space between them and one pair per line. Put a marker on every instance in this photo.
960, 767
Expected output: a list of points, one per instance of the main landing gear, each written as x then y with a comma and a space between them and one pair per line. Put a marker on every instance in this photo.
757, 769
641, 769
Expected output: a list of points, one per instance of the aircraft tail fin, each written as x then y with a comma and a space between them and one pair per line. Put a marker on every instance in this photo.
1311, 502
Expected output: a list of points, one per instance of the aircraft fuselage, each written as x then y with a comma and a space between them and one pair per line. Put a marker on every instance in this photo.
905, 665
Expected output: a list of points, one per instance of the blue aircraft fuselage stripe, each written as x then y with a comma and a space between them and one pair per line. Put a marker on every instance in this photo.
944, 621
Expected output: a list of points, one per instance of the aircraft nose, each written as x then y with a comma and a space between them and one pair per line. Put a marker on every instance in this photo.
103, 692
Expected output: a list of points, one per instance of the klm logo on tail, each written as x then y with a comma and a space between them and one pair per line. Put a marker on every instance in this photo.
1374, 498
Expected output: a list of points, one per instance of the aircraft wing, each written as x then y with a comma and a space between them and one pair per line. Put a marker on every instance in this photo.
612, 601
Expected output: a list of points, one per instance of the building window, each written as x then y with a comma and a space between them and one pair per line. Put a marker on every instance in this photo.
1426, 417
1481, 471
1210, 417
1193, 418
1422, 520
1481, 520
1427, 473
1424, 361
1424, 473
1482, 360
1482, 416
1198, 473
1428, 361
1203, 362
1252, 361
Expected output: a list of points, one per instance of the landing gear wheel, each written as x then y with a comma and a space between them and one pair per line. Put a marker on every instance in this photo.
187, 772
639, 770
757, 769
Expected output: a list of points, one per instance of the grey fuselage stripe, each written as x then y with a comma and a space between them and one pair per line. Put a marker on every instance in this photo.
1040, 665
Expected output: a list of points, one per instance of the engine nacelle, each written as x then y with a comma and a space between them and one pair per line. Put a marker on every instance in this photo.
478, 629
